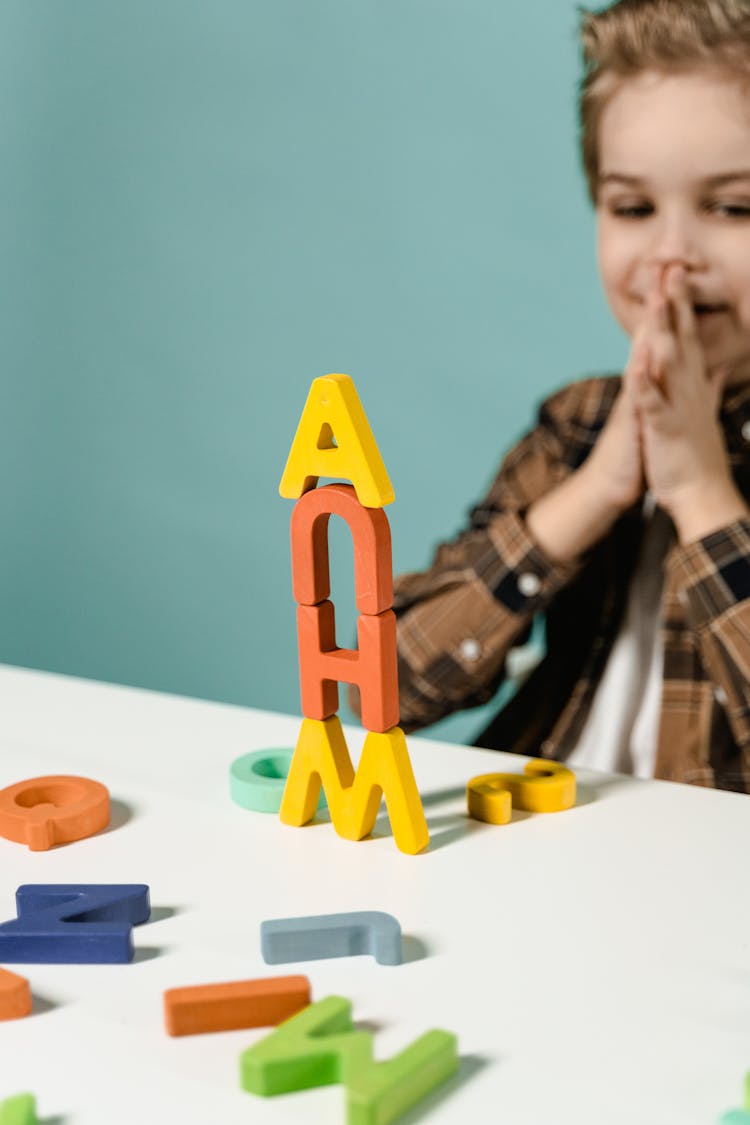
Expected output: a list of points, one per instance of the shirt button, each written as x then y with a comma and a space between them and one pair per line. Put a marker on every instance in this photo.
746, 430
720, 696
470, 649
529, 584
682, 598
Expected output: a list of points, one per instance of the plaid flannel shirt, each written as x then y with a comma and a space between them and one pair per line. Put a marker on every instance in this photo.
458, 620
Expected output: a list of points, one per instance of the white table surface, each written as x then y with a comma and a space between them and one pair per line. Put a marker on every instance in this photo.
594, 964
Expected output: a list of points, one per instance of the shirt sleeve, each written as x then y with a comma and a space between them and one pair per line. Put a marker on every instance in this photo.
458, 619
712, 577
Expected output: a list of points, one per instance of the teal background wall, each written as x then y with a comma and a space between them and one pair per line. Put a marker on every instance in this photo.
205, 206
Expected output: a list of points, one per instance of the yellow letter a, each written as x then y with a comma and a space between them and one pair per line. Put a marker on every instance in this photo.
321, 756
334, 439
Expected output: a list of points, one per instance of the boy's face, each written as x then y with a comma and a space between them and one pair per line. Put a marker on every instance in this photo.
672, 133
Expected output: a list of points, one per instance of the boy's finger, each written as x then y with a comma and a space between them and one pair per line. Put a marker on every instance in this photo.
718, 381
683, 307
650, 397
655, 278
664, 356
638, 361
656, 371
657, 312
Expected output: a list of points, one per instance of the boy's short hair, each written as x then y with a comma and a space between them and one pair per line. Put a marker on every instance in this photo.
671, 36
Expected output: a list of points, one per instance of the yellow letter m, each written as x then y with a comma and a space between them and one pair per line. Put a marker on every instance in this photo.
321, 757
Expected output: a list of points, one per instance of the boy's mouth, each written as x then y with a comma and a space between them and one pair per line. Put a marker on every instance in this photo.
705, 312
708, 310
709, 314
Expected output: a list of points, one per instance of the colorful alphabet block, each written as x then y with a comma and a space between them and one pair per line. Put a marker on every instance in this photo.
488, 800
372, 665
332, 935
334, 439
371, 539
45, 811
314, 1048
544, 786
74, 923
257, 780
381, 1091
201, 1008
321, 756
319, 1047
15, 996
18, 1110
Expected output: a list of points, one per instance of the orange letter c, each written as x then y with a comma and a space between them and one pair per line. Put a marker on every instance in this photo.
45, 811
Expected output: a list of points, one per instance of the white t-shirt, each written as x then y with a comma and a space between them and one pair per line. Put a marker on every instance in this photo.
621, 730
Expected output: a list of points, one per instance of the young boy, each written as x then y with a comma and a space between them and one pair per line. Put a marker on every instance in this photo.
623, 515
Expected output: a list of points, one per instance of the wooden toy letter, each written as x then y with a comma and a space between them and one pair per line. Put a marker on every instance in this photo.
319, 1046
200, 1008
321, 756
45, 811
371, 539
334, 437
543, 787
15, 996
372, 666
19, 1110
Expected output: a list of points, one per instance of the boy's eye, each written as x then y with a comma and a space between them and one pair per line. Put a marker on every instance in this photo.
731, 210
631, 212
736, 210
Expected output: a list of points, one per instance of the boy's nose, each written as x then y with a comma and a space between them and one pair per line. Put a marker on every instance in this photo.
656, 271
660, 265
676, 248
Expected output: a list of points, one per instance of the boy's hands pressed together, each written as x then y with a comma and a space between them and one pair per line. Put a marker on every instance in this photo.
663, 433
615, 465
677, 401
580, 511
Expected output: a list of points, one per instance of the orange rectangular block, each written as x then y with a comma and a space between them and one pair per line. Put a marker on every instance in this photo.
15, 996
235, 1004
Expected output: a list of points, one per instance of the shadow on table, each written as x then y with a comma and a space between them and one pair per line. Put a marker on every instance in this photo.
468, 1066
457, 825
412, 949
40, 1005
586, 792
372, 1026
146, 953
439, 796
444, 829
159, 913
461, 824
449, 827
119, 814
